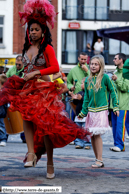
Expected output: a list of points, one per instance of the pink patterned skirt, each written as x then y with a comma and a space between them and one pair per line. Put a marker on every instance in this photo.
97, 123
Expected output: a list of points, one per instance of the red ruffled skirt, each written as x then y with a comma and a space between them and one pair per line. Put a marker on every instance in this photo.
40, 103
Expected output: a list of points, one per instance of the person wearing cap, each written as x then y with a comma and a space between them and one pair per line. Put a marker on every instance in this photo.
121, 123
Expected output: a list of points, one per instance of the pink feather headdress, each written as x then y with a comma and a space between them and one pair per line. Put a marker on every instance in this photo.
41, 10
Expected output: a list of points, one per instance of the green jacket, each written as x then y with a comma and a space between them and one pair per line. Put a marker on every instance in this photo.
122, 86
13, 71
76, 73
98, 101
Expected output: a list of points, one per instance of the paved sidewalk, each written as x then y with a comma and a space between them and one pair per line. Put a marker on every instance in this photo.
72, 168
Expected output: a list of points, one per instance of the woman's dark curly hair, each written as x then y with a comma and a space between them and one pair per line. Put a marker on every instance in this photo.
47, 39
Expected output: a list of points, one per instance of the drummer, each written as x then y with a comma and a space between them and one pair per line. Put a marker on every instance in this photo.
17, 69
3, 112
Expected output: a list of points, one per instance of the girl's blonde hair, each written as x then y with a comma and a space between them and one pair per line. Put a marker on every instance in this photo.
101, 62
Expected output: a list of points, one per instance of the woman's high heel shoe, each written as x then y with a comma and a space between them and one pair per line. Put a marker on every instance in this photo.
50, 176
31, 163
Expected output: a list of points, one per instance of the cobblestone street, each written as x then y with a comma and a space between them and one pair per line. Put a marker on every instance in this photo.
72, 168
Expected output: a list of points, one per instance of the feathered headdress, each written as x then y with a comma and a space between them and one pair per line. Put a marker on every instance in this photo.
40, 10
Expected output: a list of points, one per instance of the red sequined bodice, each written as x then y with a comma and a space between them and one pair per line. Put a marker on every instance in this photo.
30, 66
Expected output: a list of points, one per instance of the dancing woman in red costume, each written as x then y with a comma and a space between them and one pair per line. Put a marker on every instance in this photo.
46, 125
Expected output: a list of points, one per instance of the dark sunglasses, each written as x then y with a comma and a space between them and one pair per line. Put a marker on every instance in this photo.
18, 64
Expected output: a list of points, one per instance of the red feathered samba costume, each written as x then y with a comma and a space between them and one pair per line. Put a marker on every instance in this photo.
39, 101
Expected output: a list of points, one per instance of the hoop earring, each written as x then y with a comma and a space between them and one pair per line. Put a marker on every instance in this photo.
43, 37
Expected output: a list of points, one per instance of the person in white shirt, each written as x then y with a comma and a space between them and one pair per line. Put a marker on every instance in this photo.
98, 47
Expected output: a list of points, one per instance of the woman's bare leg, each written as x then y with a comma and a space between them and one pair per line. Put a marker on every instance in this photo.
29, 135
49, 150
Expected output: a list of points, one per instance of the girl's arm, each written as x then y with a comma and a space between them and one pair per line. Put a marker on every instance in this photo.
84, 110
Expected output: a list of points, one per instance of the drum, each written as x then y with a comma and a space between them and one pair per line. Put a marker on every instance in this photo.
13, 122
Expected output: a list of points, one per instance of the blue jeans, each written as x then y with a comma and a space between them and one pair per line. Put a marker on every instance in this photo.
78, 141
3, 135
67, 107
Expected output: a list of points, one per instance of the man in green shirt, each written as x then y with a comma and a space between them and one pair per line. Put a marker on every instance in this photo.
17, 69
77, 73
119, 124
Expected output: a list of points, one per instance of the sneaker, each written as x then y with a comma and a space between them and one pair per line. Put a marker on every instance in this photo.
78, 147
115, 149
2, 143
71, 143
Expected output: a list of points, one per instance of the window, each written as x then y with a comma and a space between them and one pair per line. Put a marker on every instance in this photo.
119, 5
95, 9
76, 41
85, 9
101, 10
114, 46
1, 29
88, 38
69, 47
124, 48
125, 5
89, 9
114, 4
71, 11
